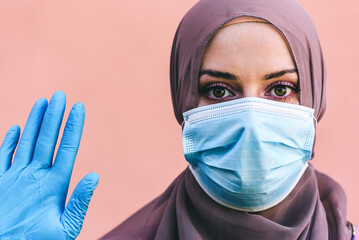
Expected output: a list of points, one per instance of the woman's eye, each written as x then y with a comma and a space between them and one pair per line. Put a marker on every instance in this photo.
218, 92
280, 91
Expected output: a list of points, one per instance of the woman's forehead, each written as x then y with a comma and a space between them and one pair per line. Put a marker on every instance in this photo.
248, 46
250, 19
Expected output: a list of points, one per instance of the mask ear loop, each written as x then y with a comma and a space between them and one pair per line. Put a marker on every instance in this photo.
315, 129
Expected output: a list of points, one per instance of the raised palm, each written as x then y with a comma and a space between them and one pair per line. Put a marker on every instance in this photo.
33, 187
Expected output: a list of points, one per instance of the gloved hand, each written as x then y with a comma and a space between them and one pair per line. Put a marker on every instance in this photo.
33, 189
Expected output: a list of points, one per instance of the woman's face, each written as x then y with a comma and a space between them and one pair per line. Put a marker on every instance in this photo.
248, 60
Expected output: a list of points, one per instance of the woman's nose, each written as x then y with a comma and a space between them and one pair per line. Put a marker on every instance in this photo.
251, 91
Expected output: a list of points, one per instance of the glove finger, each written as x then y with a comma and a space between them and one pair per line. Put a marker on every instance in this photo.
49, 131
75, 211
8, 147
70, 143
28, 138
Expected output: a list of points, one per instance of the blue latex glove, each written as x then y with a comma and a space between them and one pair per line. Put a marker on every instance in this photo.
32, 189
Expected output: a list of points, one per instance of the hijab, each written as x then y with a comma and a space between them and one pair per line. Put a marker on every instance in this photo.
207, 16
316, 207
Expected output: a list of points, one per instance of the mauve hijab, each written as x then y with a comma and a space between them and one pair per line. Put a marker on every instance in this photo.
315, 209
207, 16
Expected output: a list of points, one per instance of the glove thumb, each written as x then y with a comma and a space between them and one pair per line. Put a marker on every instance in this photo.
75, 211
8, 147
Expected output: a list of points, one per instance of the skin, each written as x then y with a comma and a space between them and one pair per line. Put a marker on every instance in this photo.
248, 59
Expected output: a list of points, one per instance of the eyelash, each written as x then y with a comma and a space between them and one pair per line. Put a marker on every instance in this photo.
206, 91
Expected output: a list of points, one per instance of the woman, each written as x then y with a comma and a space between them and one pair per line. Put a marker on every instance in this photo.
228, 53
248, 86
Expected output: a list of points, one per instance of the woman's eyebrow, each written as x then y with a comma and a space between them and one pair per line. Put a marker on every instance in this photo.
279, 74
218, 74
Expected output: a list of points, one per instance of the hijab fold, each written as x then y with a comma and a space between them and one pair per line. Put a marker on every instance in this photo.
184, 211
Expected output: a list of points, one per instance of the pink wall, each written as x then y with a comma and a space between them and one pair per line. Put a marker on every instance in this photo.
114, 57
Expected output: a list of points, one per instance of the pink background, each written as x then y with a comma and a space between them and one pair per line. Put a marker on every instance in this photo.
114, 57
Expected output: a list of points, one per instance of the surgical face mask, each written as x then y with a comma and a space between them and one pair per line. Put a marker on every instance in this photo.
248, 154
